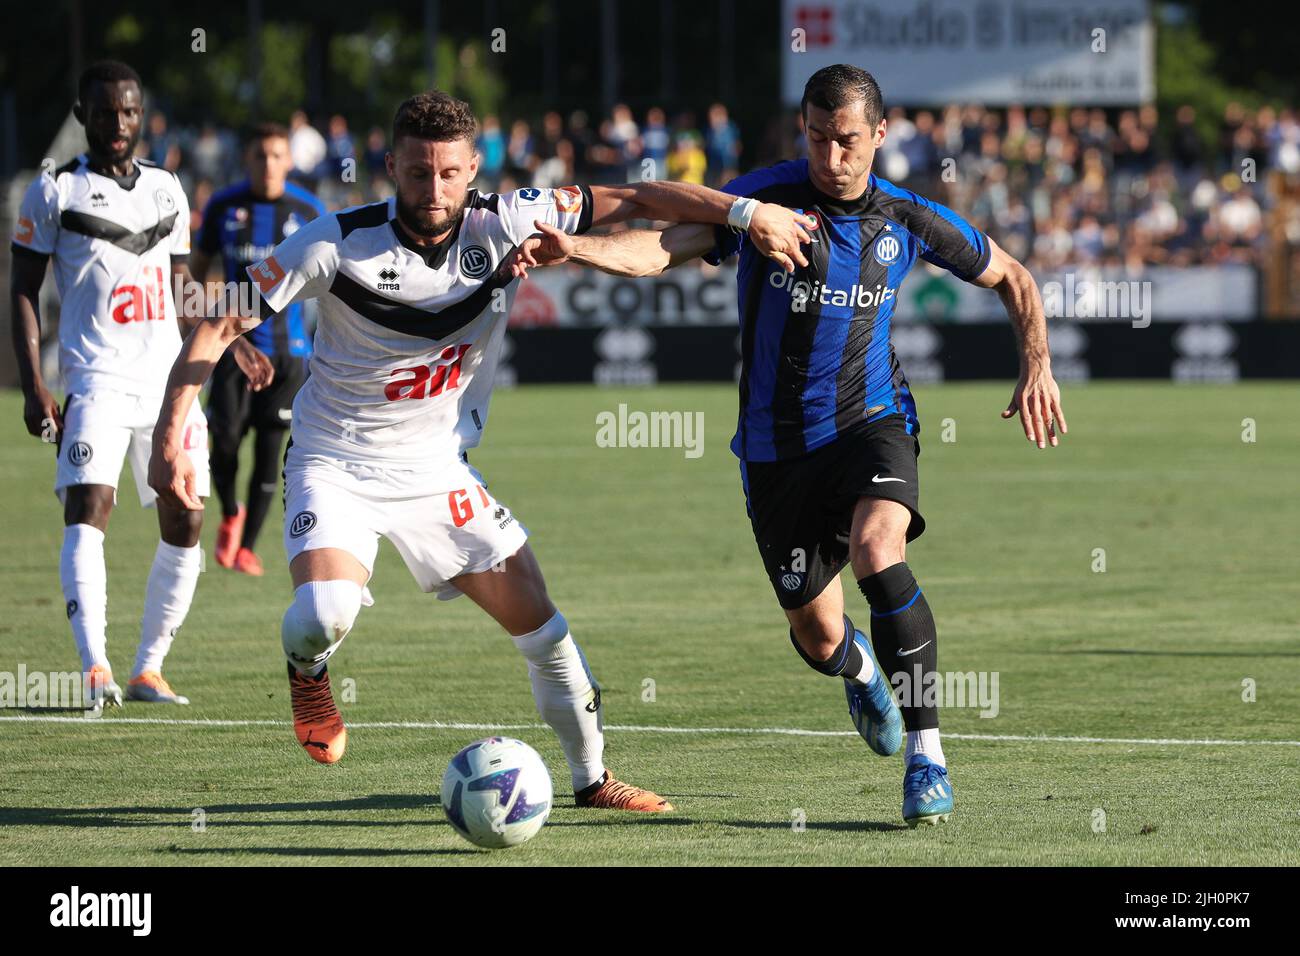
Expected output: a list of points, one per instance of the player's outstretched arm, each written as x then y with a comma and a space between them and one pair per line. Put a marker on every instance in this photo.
171, 473
1037, 397
777, 232
635, 253
251, 360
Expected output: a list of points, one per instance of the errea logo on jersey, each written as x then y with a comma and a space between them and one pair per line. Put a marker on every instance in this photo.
428, 381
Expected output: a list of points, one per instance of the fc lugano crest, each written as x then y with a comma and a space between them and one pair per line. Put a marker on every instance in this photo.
302, 522
475, 262
79, 453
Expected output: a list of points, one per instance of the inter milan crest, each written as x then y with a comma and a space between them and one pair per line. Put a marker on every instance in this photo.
887, 249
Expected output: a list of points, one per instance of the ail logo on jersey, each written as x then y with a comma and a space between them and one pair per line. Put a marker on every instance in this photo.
140, 303
475, 262
388, 277
568, 199
428, 381
24, 231
267, 274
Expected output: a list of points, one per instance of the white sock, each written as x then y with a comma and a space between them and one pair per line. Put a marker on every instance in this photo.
85, 589
565, 692
926, 743
167, 598
868, 668
314, 625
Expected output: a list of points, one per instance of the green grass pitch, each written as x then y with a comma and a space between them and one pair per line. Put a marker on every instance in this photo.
650, 556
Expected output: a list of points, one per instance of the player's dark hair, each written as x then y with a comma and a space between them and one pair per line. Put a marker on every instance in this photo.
437, 116
105, 71
832, 87
261, 131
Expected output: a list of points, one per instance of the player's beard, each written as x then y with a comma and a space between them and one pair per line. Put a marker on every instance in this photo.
420, 222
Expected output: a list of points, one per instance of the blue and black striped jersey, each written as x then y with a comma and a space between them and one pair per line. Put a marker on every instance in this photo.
816, 358
244, 230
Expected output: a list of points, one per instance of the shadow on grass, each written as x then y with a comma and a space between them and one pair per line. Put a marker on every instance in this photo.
839, 826
311, 851
1126, 652
130, 816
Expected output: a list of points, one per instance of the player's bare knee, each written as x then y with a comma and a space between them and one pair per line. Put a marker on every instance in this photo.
88, 504
876, 549
321, 615
179, 527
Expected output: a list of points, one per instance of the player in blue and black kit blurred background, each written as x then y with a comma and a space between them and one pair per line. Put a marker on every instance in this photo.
242, 224
827, 432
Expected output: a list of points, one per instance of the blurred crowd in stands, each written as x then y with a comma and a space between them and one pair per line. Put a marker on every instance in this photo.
1053, 186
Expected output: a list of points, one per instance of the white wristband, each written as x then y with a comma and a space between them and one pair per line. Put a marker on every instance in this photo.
742, 213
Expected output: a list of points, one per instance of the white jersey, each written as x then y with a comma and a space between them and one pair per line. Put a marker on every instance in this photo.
112, 240
408, 339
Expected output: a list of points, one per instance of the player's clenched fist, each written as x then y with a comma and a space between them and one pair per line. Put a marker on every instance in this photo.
41, 414
779, 233
171, 474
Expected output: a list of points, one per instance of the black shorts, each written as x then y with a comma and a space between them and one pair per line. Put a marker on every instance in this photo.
802, 508
233, 409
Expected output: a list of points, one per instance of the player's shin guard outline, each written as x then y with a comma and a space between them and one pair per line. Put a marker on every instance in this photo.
167, 598
314, 625
904, 637
84, 578
567, 697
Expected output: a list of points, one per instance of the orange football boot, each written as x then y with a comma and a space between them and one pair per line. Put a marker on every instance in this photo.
316, 720
610, 794
246, 562
100, 688
229, 534
152, 688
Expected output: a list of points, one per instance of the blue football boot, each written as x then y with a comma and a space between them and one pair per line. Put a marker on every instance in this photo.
872, 707
927, 794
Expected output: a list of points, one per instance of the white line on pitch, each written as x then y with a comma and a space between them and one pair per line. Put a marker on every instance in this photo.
633, 728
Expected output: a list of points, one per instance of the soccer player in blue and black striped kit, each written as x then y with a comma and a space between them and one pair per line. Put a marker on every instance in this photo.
828, 430
242, 224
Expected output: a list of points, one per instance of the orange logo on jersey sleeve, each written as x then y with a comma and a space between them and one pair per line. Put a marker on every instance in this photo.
267, 274
24, 230
568, 198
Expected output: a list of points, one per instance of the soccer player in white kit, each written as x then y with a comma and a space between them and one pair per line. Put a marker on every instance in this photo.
118, 230
414, 294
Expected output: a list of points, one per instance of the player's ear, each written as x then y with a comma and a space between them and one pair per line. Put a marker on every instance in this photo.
390, 165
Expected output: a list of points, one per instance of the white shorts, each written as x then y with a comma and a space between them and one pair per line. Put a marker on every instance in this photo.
101, 427
443, 525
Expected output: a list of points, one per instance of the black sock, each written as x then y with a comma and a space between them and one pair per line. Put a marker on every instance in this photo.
903, 635
224, 462
845, 659
263, 482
